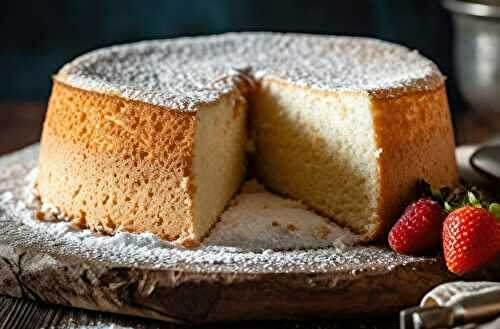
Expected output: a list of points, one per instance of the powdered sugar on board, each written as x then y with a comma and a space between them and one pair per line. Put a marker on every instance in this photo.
72, 324
19, 228
183, 73
258, 219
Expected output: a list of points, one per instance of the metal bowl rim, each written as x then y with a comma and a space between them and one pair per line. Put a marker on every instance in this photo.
472, 8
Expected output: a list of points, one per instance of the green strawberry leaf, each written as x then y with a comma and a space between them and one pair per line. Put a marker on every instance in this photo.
448, 207
425, 188
473, 200
494, 208
459, 197
437, 195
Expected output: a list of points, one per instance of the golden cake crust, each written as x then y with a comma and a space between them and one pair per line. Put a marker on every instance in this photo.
415, 136
113, 164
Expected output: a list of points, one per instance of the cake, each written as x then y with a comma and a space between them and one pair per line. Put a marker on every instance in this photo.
157, 136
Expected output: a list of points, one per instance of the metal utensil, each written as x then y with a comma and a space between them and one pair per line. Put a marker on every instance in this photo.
477, 51
476, 308
486, 160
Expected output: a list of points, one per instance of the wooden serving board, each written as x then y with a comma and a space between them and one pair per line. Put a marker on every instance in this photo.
213, 283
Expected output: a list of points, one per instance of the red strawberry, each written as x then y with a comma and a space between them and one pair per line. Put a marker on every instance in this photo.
419, 228
470, 238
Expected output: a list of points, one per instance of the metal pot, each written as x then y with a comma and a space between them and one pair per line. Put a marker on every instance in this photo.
477, 51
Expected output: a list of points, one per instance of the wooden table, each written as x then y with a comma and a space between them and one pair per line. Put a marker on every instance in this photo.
21, 313
20, 125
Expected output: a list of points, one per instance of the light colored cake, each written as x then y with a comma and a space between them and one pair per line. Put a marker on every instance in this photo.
153, 136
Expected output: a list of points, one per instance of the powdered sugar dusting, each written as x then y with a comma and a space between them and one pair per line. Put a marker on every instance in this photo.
71, 323
105, 326
258, 219
186, 72
19, 228
96, 326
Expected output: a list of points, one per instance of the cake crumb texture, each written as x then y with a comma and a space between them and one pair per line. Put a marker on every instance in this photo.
115, 165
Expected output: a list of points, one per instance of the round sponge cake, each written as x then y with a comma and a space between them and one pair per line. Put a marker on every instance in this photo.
153, 136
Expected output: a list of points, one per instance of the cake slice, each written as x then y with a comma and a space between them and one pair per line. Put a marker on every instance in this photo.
353, 157
112, 164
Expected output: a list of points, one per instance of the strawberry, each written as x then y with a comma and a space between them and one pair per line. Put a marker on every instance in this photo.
419, 228
470, 237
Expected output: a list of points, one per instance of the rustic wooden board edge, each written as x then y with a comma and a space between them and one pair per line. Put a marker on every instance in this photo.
185, 297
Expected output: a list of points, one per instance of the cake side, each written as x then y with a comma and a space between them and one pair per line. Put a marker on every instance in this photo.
111, 164
415, 135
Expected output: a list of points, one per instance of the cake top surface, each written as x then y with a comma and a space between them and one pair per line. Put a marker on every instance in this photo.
183, 73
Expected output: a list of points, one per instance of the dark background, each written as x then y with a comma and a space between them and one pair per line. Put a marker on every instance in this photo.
37, 37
